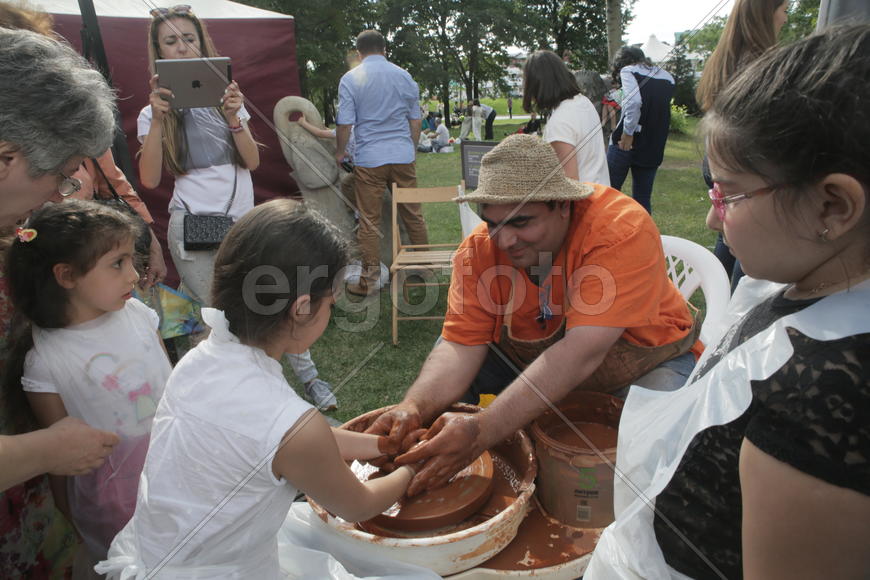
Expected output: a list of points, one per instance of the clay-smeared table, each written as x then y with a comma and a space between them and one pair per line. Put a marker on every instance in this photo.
437, 508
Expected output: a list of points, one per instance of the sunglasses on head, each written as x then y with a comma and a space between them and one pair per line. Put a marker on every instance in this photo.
177, 9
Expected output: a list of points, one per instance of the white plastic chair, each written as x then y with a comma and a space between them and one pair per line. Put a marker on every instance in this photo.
691, 266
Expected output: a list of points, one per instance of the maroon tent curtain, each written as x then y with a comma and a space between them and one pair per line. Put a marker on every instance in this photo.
263, 51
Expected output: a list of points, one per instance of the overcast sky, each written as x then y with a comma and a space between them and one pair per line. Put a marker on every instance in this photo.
665, 17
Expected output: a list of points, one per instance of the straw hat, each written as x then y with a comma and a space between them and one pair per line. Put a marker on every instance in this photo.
522, 168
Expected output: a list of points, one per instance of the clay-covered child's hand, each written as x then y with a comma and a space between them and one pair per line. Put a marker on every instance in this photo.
390, 448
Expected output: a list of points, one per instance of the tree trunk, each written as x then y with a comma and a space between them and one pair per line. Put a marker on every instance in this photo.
614, 28
329, 107
445, 100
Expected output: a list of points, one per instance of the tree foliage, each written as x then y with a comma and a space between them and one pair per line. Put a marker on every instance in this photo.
325, 33
802, 17
576, 29
465, 40
703, 41
442, 40
684, 79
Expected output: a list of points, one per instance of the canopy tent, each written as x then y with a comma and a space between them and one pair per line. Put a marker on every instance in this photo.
263, 48
656, 50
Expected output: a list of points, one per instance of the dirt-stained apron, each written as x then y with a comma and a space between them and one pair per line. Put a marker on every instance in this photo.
622, 365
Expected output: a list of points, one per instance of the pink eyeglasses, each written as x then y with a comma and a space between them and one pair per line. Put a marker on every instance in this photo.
720, 202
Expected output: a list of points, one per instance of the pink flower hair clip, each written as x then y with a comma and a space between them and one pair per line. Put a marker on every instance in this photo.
25, 234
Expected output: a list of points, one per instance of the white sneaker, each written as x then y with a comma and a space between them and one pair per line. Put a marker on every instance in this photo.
320, 392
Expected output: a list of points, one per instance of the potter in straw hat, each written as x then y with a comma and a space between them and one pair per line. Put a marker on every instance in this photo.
562, 287
523, 168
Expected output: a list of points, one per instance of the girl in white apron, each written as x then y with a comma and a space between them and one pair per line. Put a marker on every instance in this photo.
95, 353
233, 442
760, 465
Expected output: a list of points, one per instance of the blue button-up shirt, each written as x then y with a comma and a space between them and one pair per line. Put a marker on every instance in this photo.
378, 98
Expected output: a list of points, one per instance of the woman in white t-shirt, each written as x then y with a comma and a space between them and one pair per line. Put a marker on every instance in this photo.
573, 128
476, 119
209, 151
232, 441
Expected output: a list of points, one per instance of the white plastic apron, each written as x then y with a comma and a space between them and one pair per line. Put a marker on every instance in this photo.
657, 427
307, 549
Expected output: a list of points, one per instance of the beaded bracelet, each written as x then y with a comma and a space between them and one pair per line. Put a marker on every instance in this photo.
237, 128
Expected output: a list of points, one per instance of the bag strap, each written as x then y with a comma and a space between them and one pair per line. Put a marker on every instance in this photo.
106, 179
232, 197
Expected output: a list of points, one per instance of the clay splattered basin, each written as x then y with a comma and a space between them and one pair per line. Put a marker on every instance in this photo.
453, 552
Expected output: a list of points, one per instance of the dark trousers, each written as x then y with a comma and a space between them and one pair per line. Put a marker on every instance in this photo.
490, 119
619, 162
493, 377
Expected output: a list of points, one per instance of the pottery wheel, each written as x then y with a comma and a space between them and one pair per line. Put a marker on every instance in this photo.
461, 497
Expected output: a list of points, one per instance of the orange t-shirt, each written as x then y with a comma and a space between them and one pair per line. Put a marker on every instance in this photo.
611, 263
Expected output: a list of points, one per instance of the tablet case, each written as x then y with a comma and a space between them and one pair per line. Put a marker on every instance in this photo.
195, 82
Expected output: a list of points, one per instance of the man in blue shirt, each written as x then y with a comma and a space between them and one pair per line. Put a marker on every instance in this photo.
381, 102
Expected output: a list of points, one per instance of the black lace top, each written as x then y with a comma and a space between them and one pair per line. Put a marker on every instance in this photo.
813, 413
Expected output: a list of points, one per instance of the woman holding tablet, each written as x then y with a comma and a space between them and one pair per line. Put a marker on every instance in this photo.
209, 151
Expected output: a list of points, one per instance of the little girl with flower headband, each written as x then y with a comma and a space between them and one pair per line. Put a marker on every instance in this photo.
95, 353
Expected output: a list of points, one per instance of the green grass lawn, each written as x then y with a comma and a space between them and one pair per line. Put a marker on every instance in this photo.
355, 353
499, 104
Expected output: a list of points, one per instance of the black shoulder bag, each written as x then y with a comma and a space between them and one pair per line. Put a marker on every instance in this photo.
206, 232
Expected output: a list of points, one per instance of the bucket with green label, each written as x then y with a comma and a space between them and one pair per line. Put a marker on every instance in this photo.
576, 451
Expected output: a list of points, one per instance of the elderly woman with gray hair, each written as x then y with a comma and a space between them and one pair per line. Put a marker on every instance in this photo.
55, 110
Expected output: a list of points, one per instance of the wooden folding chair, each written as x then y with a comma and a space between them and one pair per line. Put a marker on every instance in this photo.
409, 257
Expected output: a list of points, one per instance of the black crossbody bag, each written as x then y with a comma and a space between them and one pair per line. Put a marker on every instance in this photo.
206, 232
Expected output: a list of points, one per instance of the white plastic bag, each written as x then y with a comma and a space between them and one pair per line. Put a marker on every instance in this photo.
307, 550
656, 428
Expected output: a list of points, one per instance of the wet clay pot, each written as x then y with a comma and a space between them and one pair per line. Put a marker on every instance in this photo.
480, 537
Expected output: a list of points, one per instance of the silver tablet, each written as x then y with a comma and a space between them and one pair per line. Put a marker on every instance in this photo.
195, 82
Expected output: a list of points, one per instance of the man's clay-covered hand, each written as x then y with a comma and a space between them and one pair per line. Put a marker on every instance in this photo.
450, 444
396, 423
411, 439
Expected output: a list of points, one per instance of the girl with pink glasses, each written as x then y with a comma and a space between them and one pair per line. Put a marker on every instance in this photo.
760, 466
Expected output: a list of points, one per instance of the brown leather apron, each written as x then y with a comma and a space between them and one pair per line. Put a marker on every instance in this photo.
622, 365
